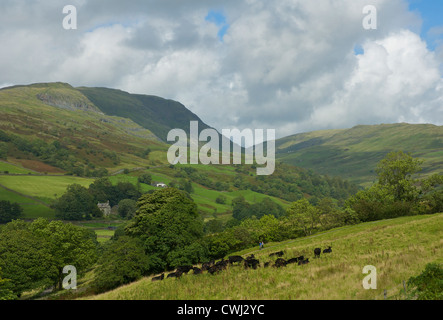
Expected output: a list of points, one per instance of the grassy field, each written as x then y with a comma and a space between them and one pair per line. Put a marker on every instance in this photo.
44, 188
6, 167
398, 248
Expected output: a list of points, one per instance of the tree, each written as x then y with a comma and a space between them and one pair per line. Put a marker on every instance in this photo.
76, 204
395, 171
123, 261
221, 199
428, 285
9, 211
101, 190
127, 208
303, 216
145, 178
166, 221
68, 244
240, 208
24, 258
5, 289
266, 207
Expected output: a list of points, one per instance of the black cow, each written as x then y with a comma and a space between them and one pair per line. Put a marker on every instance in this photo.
267, 264
317, 252
278, 254
222, 263
303, 262
215, 268
252, 263
207, 265
184, 269
197, 270
159, 277
292, 260
176, 274
233, 259
328, 250
280, 262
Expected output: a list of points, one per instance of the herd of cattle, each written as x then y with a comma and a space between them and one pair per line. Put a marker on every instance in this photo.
213, 267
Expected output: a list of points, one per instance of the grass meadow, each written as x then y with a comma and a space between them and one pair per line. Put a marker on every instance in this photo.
45, 188
398, 248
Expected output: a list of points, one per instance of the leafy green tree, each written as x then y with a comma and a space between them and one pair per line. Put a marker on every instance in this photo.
266, 207
123, 261
68, 244
127, 208
9, 211
395, 171
372, 204
213, 226
145, 178
428, 285
303, 216
5, 289
101, 190
25, 258
191, 254
221, 199
166, 221
240, 208
76, 204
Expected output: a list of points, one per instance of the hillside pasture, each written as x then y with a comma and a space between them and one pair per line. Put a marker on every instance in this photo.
398, 248
44, 188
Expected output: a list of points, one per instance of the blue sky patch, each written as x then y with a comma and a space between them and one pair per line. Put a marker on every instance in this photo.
358, 50
431, 13
219, 19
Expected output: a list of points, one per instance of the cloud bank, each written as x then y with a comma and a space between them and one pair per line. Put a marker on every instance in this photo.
289, 65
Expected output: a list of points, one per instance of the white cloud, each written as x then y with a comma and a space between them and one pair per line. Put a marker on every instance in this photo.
288, 65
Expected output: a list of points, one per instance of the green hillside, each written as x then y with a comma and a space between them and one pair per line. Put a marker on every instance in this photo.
353, 153
158, 114
53, 135
54, 128
398, 248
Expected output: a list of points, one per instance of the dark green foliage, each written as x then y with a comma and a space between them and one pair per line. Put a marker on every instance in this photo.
397, 193
241, 209
9, 211
395, 172
145, 178
221, 199
6, 292
166, 221
428, 285
3, 150
33, 255
102, 190
121, 262
76, 204
24, 258
127, 208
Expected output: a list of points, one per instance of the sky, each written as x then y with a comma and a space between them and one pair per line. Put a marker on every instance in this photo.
289, 65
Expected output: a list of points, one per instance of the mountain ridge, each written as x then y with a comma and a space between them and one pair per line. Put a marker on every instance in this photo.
353, 153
